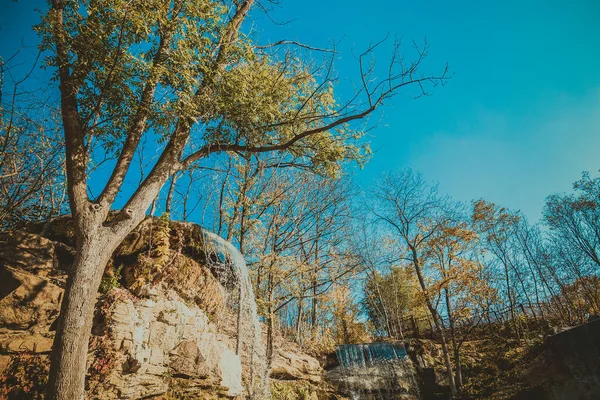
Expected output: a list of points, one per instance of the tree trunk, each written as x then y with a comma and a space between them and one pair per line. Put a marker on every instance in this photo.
458, 375
458, 379
299, 323
69, 352
240, 319
270, 323
437, 321
511, 302
170, 195
446, 352
313, 317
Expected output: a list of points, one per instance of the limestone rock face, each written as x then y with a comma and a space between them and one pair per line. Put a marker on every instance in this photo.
161, 336
140, 346
27, 251
295, 365
174, 337
27, 301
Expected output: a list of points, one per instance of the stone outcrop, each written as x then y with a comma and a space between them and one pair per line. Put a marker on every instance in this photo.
159, 339
163, 326
161, 336
568, 367
32, 302
29, 294
291, 363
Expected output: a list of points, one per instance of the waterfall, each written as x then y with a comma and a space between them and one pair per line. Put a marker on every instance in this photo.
374, 371
369, 354
249, 336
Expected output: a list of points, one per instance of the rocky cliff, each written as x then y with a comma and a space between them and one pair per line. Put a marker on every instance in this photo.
164, 326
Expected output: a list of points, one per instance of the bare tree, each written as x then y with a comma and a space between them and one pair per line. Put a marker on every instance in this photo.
32, 186
414, 212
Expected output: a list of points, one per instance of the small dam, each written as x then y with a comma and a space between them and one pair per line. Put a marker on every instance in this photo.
374, 371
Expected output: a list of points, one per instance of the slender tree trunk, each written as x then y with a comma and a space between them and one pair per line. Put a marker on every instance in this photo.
511, 302
170, 195
299, 322
313, 316
270, 323
69, 352
240, 319
458, 376
440, 327
437, 321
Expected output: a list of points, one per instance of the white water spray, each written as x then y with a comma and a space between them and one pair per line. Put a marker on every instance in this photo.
249, 330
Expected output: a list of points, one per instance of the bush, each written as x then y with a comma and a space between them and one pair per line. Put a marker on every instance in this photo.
25, 377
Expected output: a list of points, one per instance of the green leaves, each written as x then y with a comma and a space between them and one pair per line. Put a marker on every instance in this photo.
176, 66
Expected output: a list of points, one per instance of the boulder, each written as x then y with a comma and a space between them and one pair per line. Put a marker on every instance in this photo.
4, 363
295, 365
26, 343
26, 250
186, 360
28, 301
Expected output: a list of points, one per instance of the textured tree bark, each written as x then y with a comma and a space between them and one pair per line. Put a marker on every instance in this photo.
299, 322
69, 352
95, 245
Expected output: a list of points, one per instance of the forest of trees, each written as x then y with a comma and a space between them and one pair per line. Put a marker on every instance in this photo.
169, 109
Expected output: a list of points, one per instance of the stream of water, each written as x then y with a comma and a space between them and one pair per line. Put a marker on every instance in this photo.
369, 354
375, 371
249, 329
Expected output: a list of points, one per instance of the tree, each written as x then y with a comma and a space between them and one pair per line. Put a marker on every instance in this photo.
293, 226
31, 155
390, 298
183, 72
497, 225
460, 279
345, 311
414, 212
572, 248
575, 218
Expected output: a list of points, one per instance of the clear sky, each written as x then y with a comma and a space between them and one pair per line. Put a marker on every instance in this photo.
519, 120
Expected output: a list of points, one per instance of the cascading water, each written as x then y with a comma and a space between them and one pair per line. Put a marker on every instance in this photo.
250, 339
369, 354
375, 371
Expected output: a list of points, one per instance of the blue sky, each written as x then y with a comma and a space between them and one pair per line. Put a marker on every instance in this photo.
519, 120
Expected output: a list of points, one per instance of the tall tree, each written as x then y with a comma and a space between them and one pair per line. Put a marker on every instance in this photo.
575, 218
390, 298
183, 72
460, 280
414, 212
497, 225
